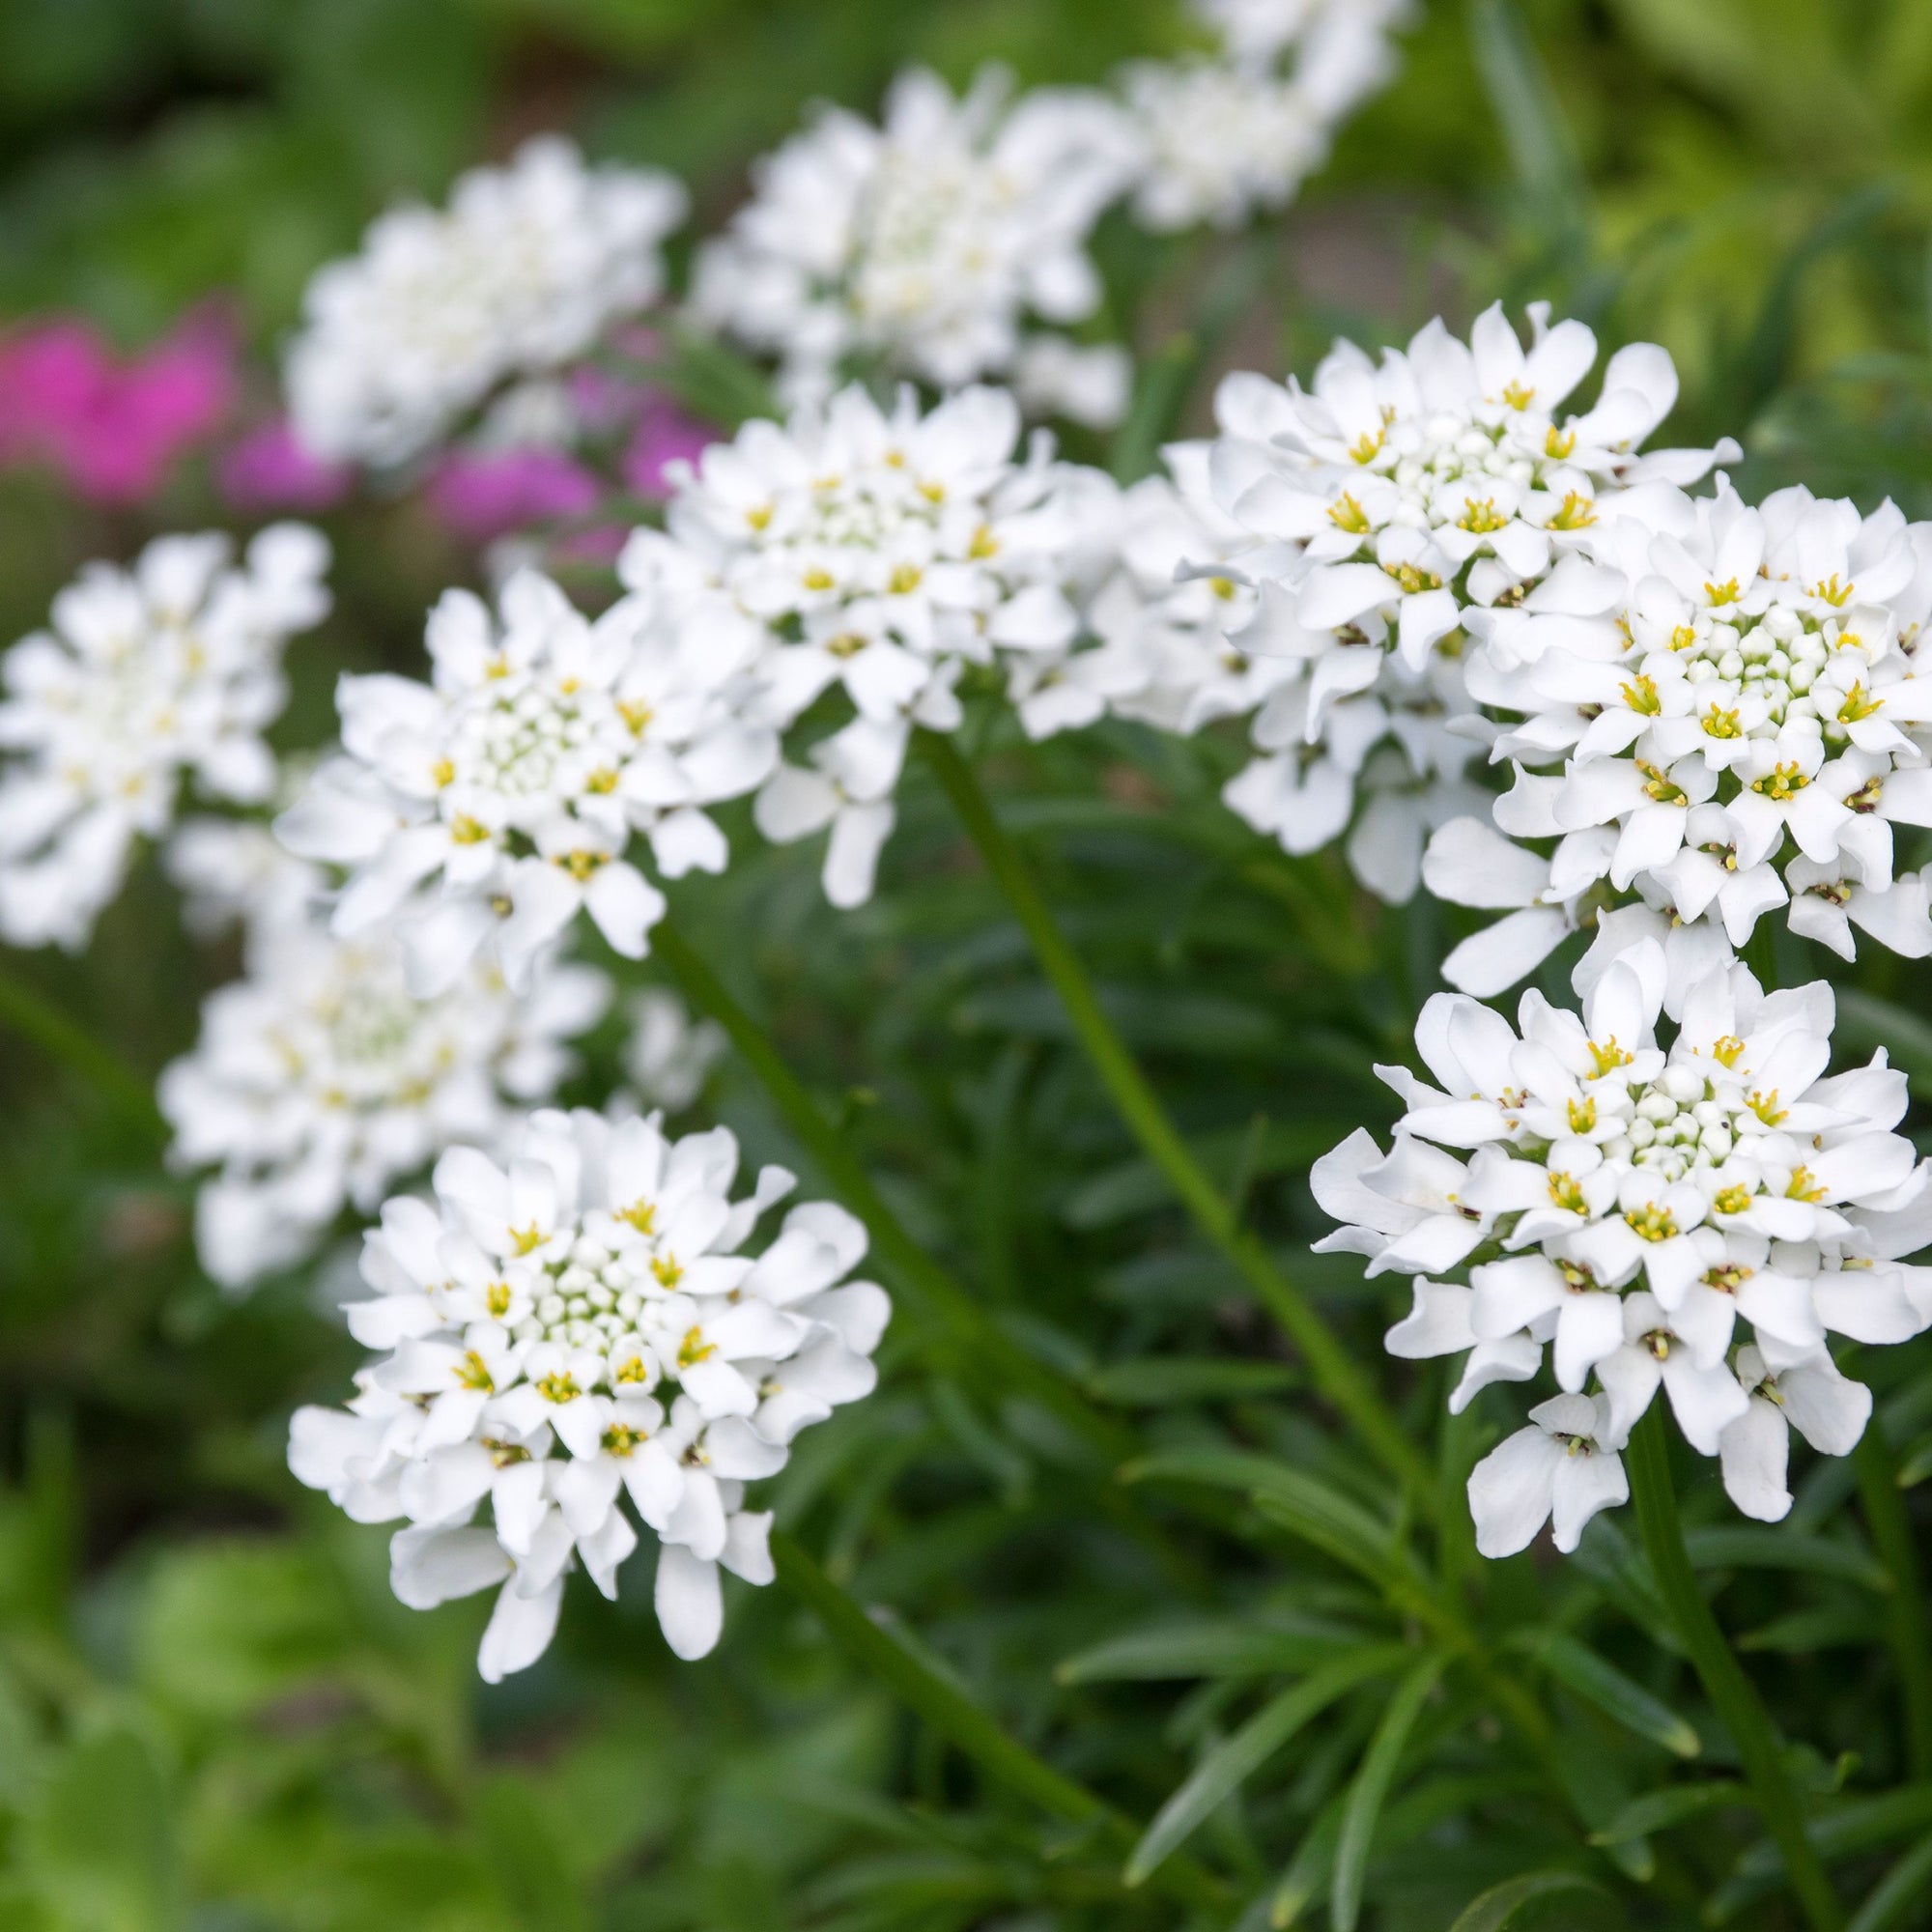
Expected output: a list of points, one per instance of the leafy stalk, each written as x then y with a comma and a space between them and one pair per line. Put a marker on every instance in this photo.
950, 1712
943, 1302
1329, 1361
1907, 1622
1729, 1689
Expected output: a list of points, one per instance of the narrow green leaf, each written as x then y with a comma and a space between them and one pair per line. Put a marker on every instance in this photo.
1659, 1810
1541, 150
1225, 1768
1618, 1696
1210, 1650
1746, 1548
1371, 1787
1905, 1885
530, 1864
1518, 1901
104, 1846
1157, 1381
1827, 1628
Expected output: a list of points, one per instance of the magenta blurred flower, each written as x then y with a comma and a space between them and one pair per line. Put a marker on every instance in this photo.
664, 434
269, 469
111, 427
480, 496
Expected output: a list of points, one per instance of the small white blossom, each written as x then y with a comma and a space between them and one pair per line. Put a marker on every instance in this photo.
1627, 1207
149, 681
923, 242
495, 803
1566, 1466
1732, 702
320, 1081
880, 553
670, 1056
521, 271
580, 1330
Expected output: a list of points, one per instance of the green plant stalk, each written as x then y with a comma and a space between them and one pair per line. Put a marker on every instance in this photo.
1729, 1689
944, 1302
38, 1020
1329, 1361
950, 1712
1907, 1622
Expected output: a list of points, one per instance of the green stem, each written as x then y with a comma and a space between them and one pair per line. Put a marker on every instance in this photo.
950, 1712
1729, 1689
38, 1020
941, 1301
1329, 1362
1907, 1622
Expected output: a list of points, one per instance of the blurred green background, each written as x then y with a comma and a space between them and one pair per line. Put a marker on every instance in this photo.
212, 1713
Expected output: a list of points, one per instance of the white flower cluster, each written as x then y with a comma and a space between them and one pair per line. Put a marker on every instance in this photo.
1627, 1207
1228, 133
150, 678
320, 1080
521, 271
1731, 702
883, 553
923, 242
491, 804
577, 1329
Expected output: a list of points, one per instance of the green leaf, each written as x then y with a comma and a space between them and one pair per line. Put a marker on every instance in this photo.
1541, 150
1581, 1669
1518, 1902
1225, 1768
104, 1846
1905, 1885
1743, 1546
528, 1863
1659, 1810
1371, 1787
1157, 1381
1210, 1650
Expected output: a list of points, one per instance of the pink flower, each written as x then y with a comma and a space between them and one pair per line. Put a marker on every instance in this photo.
483, 495
113, 428
664, 434
269, 469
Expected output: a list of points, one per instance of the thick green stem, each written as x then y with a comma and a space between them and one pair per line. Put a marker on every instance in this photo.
940, 1301
950, 1712
1907, 1622
35, 1019
1329, 1361
1729, 1689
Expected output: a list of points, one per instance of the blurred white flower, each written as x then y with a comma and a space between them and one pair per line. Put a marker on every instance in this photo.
320, 1081
1732, 702
924, 242
1629, 1206
576, 1329
149, 679
670, 1056
519, 274
878, 553
492, 804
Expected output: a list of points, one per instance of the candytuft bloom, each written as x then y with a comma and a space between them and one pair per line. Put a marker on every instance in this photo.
1640, 1210
924, 242
525, 269
149, 680
577, 1333
489, 806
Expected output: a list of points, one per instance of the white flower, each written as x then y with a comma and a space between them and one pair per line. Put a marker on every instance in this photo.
1087, 383
320, 1081
1342, 50
1565, 1464
1804, 1392
500, 799
1732, 699
881, 553
922, 242
1629, 1207
668, 1055
1222, 141
520, 275
574, 1332
149, 679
